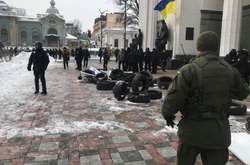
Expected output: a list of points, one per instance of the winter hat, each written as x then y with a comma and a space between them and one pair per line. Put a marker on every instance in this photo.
208, 41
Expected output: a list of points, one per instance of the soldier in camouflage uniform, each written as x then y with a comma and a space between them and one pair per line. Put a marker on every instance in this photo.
203, 91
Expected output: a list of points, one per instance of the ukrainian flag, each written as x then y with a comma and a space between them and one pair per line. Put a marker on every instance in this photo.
166, 7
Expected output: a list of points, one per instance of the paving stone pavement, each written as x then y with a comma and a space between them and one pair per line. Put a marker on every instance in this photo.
77, 125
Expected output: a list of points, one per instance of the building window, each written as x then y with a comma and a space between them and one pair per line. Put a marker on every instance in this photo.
189, 33
116, 43
52, 31
35, 37
4, 35
23, 37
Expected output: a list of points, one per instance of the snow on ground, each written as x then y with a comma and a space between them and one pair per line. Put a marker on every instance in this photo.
16, 97
14, 77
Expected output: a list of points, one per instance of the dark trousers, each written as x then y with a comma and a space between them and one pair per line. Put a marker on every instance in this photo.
40, 75
141, 66
147, 66
100, 59
79, 64
85, 62
187, 155
66, 64
105, 65
154, 68
135, 68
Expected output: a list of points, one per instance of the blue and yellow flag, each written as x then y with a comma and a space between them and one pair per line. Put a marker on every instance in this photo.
166, 7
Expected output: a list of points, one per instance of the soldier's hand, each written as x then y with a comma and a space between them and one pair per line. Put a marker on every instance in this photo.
28, 68
170, 121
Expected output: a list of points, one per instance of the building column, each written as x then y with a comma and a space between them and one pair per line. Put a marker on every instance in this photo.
13, 39
231, 26
147, 22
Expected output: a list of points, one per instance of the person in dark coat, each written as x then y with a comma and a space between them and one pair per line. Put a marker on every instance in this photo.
79, 58
100, 54
86, 56
117, 51
66, 58
140, 39
232, 57
72, 52
164, 60
121, 57
140, 59
155, 60
243, 63
106, 58
60, 53
147, 58
134, 61
40, 61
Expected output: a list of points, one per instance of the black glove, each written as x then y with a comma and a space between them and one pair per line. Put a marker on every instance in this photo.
28, 68
170, 120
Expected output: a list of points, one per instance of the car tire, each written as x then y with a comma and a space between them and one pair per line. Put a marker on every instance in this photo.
237, 109
90, 79
155, 94
116, 74
164, 82
105, 85
101, 77
139, 98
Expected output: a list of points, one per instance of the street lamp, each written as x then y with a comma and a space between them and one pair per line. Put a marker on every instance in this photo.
101, 12
125, 24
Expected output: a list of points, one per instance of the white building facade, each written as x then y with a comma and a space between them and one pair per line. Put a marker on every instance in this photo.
230, 19
114, 37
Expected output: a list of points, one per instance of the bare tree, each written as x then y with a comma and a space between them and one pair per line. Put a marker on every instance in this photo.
77, 27
132, 10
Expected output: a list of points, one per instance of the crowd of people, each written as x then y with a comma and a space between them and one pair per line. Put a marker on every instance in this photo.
241, 61
135, 59
6, 53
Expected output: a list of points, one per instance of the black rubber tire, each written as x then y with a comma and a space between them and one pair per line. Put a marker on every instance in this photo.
164, 82
155, 94
121, 90
139, 98
153, 83
237, 109
90, 79
116, 74
105, 85
101, 77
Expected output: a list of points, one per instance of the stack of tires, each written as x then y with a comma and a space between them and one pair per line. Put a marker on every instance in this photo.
133, 86
139, 85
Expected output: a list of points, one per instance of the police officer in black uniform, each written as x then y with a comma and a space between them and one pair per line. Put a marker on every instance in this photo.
40, 60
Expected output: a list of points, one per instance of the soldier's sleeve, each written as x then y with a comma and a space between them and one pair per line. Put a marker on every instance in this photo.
177, 92
240, 88
30, 61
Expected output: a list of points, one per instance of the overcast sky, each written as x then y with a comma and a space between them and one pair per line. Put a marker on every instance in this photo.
84, 10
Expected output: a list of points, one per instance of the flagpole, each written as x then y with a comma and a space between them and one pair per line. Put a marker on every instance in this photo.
175, 33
